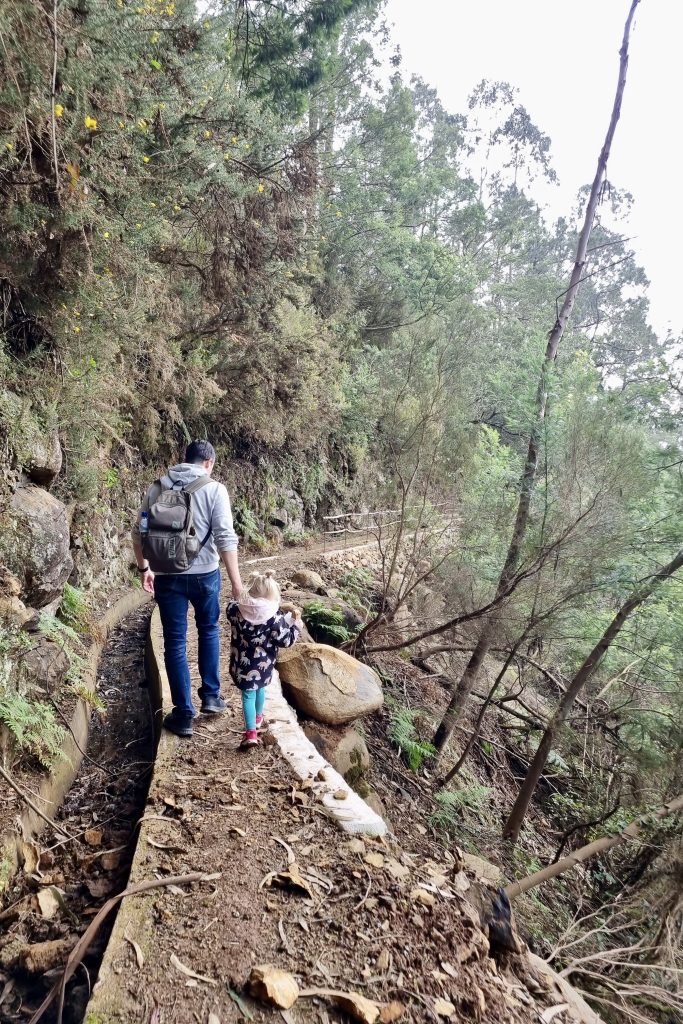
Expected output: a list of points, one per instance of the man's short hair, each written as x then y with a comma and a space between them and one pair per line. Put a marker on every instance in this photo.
200, 451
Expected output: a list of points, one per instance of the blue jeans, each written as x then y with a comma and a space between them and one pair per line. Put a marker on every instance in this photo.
253, 702
173, 595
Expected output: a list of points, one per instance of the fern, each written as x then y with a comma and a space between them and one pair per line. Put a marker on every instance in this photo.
32, 727
73, 611
454, 805
325, 624
402, 734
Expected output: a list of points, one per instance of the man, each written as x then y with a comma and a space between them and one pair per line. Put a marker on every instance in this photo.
198, 585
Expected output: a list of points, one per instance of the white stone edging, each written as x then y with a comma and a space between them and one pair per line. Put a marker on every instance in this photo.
351, 814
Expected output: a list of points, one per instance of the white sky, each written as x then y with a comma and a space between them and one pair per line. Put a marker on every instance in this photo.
563, 57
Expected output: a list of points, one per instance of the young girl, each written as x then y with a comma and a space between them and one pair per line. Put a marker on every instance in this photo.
258, 630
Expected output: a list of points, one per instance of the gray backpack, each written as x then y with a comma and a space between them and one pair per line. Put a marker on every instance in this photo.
171, 543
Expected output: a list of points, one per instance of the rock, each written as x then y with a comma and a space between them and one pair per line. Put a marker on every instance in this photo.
45, 459
345, 749
36, 544
279, 517
274, 986
329, 685
481, 868
307, 579
10, 586
45, 664
14, 611
376, 804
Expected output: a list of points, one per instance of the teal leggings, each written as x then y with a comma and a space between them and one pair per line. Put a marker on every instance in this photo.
253, 702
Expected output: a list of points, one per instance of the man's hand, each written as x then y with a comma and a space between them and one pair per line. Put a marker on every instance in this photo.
147, 578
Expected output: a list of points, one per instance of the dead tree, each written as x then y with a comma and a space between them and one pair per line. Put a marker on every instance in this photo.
528, 478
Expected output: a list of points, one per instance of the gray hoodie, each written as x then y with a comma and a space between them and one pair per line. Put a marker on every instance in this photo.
210, 510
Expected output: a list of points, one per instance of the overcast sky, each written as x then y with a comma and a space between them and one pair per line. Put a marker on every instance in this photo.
563, 57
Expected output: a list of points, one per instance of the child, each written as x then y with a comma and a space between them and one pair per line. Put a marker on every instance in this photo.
258, 629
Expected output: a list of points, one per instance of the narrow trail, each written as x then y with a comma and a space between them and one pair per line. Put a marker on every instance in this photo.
101, 807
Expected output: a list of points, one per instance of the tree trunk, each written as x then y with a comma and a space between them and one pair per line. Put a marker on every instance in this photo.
528, 787
599, 846
528, 478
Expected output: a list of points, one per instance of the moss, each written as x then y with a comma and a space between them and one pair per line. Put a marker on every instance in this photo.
355, 776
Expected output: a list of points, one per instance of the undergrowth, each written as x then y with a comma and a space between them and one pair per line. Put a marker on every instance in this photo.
326, 625
402, 733
33, 728
454, 805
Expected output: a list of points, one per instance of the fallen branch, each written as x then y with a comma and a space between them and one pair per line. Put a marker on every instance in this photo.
81, 947
598, 846
10, 782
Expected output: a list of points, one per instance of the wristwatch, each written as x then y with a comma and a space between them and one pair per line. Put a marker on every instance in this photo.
144, 569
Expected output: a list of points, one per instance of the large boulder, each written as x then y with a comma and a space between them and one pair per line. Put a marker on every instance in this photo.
35, 544
345, 749
329, 685
307, 579
45, 459
45, 664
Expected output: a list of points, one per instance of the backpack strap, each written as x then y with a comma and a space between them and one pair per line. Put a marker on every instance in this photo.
190, 489
195, 485
154, 492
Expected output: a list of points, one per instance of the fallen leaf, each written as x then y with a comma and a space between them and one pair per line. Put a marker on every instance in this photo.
48, 903
376, 860
356, 846
31, 857
99, 887
110, 861
449, 969
241, 1005
423, 897
140, 960
391, 1011
293, 879
383, 960
444, 1008
274, 986
553, 1011
188, 972
357, 1006
93, 836
396, 869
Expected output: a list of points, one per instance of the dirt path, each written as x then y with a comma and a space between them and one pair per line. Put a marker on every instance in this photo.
376, 917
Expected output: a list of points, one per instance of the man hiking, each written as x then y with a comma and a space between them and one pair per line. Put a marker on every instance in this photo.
184, 531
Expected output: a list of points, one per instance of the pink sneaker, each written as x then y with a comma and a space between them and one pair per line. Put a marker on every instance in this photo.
261, 722
249, 739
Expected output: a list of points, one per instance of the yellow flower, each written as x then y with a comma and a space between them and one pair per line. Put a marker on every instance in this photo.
207, 133
170, 10
76, 330
90, 122
338, 213
155, 36
105, 234
145, 159
59, 109
138, 225
122, 124
176, 207
153, 205
261, 186
234, 140
9, 146
76, 312
142, 124
226, 156
247, 145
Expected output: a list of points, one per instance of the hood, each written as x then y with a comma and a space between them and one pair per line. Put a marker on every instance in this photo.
257, 610
184, 473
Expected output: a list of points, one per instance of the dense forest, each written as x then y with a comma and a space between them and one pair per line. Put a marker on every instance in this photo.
244, 220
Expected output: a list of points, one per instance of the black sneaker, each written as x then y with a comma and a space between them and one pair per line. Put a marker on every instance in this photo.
213, 706
181, 725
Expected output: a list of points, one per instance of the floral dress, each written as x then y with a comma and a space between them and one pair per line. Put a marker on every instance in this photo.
254, 647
